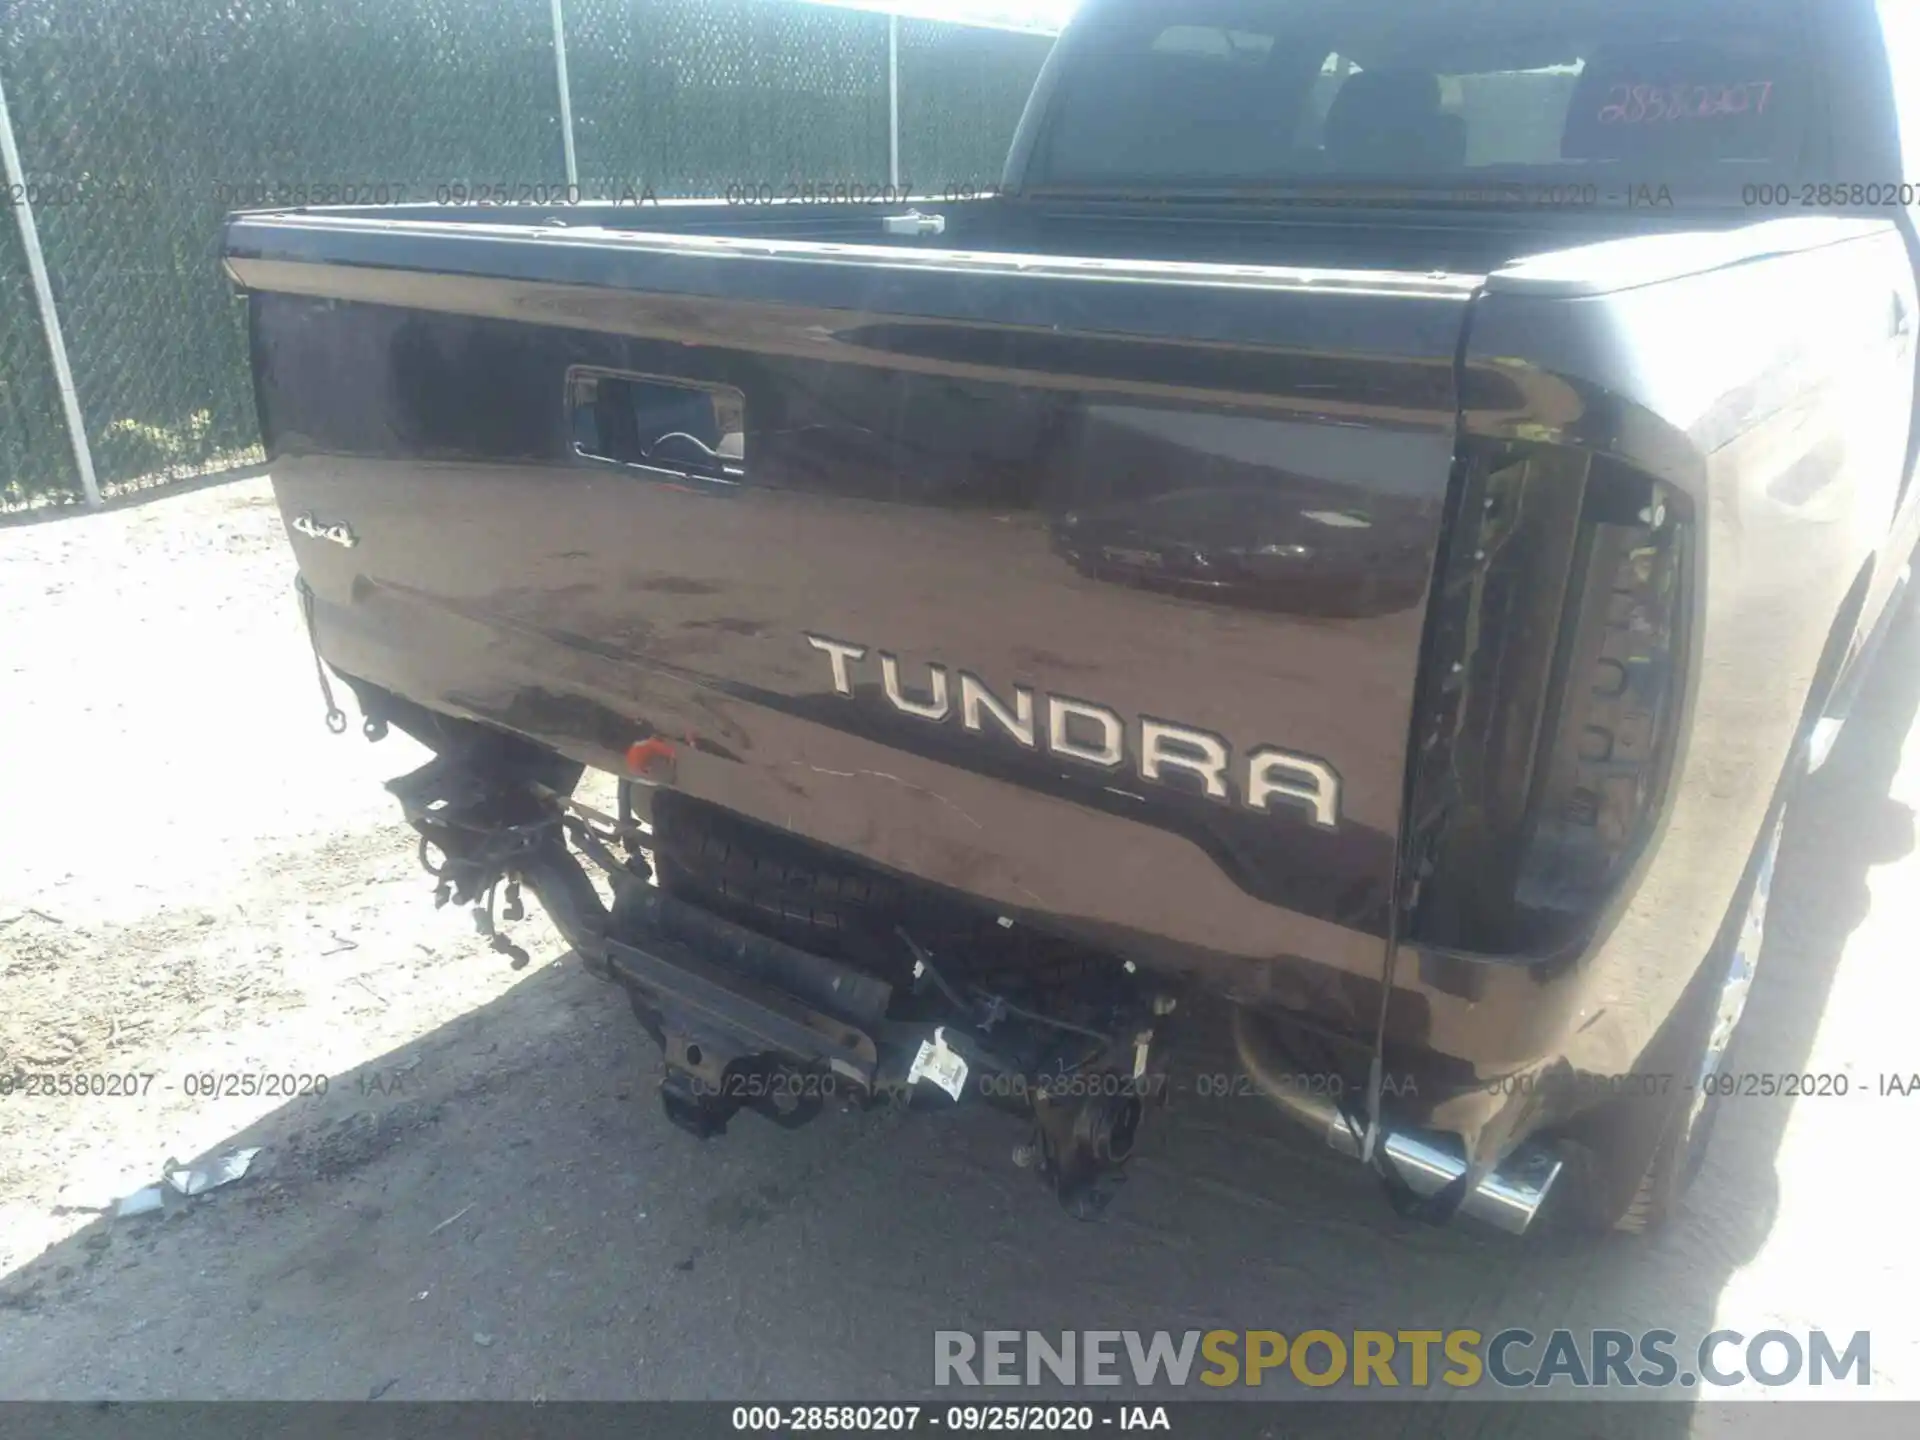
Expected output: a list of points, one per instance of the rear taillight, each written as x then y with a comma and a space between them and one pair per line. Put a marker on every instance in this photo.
1554, 666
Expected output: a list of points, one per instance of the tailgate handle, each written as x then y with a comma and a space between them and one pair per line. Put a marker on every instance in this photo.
677, 429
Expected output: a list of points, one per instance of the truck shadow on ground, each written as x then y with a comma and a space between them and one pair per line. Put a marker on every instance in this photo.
500, 1210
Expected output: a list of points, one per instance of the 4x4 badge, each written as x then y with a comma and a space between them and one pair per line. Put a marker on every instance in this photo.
339, 534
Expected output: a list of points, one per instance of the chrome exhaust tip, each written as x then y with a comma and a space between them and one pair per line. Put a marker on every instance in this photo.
1507, 1198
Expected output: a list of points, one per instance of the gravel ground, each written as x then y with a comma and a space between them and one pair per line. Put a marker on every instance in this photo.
195, 877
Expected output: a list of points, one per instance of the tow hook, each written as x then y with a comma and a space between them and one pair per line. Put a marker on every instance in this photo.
1081, 1142
1085, 1127
779, 1093
690, 1107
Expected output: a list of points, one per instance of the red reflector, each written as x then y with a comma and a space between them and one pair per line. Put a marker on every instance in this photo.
643, 756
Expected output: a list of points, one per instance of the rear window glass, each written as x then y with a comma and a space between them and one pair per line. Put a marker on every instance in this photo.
1235, 93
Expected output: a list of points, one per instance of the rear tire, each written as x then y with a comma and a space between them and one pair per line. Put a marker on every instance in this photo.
1693, 1051
1684, 1145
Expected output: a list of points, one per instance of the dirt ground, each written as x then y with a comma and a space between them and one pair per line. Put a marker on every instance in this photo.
196, 878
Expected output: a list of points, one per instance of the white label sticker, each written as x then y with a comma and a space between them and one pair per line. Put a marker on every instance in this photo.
940, 1064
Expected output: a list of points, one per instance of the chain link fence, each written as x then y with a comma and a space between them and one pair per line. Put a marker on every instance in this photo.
141, 123
35, 458
693, 96
961, 94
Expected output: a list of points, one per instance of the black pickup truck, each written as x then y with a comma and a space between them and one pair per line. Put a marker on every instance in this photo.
1333, 571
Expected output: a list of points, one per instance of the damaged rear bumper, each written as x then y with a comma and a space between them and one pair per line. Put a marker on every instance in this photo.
748, 1021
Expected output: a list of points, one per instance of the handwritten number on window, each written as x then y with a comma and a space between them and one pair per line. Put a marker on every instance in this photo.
1654, 104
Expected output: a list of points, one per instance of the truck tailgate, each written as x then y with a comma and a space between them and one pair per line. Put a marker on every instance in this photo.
1092, 589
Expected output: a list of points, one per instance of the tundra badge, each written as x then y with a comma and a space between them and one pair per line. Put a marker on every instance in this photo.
1090, 734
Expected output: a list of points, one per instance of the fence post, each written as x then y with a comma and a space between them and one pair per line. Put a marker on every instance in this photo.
893, 101
16, 178
566, 98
